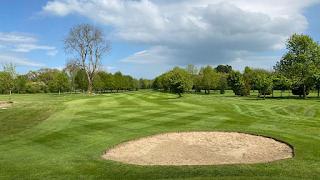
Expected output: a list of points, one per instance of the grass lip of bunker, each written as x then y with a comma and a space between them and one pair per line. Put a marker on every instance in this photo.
200, 148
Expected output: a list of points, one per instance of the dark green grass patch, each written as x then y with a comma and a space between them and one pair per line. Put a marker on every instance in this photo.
47, 136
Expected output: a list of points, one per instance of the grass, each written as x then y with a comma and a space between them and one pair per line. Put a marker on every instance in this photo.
47, 136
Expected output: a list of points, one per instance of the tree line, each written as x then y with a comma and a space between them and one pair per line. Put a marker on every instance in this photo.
298, 71
70, 79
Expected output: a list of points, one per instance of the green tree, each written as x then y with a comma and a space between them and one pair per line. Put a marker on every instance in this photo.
81, 80
98, 83
21, 83
223, 69
223, 82
119, 81
237, 83
193, 71
301, 61
109, 82
209, 78
9, 77
178, 80
264, 83
61, 81
72, 69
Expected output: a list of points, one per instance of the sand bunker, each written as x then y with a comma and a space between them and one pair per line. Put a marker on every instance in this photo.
4, 104
199, 148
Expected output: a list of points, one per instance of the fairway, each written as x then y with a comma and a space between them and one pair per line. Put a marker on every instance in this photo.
47, 136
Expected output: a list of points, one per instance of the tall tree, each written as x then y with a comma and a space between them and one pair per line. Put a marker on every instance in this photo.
9, 77
193, 71
178, 80
89, 44
209, 77
20, 83
81, 80
119, 81
223, 82
72, 69
301, 61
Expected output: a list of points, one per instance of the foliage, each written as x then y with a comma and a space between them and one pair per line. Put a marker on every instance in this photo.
301, 61
223, 82
209, 78
178, 80
88, 43
9, 76
223, 69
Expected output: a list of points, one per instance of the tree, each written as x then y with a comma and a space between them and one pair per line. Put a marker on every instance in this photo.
109, 81
239, 84
9, 77
88, 43
316, 80
119, 81
301, 61
223, 82
223, 69
98, 83
209, 77
72, 69
193, 71
178, 80
20, 83
264, 83
81, 80
61, 81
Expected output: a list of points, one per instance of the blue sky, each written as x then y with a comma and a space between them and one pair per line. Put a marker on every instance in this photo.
149, 37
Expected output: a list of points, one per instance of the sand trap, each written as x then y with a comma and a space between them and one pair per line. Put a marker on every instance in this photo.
4, 104
199, 148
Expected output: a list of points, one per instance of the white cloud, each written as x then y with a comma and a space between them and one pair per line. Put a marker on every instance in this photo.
52, 53
30, 47
17, 37
19, 61
187, 31
155, 55
21, 42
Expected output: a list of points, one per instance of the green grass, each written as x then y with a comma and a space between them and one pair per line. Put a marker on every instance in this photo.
48, 136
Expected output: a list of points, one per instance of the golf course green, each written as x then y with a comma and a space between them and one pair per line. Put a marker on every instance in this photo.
47, 136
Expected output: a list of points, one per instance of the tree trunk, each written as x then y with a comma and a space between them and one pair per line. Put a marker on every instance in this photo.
304, 92
258, 93
209, 91
205, 91
59, 91
272, 93
192, 91
179, 93
10, 96
71, 90
264, 96
90, 86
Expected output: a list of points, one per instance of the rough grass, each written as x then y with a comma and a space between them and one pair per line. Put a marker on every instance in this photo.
48, 136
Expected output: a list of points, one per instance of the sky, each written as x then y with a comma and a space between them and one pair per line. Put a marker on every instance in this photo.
149, 37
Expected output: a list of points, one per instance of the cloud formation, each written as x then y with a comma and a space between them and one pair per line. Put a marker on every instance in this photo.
13, 45
52, 53
187, 31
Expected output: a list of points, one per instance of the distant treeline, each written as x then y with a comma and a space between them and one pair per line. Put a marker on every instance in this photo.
297, 71
48, 80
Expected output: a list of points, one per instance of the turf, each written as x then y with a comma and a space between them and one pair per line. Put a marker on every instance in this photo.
48, 136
